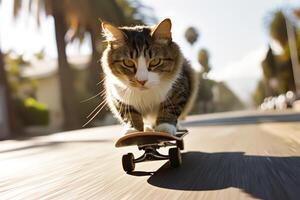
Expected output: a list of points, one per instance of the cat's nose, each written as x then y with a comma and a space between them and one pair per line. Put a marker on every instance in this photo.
141, 82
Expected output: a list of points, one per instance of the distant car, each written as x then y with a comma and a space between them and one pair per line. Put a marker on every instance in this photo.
281, 102
290, 99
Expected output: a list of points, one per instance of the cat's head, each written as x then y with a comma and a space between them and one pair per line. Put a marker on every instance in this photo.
141, 56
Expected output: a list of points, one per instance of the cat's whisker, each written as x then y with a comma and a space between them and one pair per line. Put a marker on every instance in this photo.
83, 101
101, 81
103, 102
99, 94
94, 115
103, 93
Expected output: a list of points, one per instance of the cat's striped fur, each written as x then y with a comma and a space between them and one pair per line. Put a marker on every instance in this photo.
140, 93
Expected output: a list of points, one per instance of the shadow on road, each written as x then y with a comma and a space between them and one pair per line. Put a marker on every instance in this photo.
262, 177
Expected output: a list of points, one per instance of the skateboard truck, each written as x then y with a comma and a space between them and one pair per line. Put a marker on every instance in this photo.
150, 142
151, 154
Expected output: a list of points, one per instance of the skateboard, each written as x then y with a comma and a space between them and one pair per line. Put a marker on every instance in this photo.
150, 142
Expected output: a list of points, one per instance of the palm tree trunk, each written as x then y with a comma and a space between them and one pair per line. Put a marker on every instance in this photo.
95, 66
95, 80
9, 118
67, 89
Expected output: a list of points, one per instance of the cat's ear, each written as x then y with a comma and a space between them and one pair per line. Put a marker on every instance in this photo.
162, 31
112, 33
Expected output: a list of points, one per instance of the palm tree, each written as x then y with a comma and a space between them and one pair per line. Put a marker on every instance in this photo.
297, 12
80, 17
4, 86
205, 93
191, 35
69, 100
283, 30
12, 127
277, 28
84, 17
57, 9
270, 71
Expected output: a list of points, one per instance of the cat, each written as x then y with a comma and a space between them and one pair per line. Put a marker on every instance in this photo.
149, 85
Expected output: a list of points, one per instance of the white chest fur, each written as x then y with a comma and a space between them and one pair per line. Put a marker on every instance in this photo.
147, 102
142, 100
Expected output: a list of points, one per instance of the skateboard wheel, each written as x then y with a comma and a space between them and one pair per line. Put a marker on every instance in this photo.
180, 144
175, 157
128, 162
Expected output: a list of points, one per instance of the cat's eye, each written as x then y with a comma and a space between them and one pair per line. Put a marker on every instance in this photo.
128, 63
155, 62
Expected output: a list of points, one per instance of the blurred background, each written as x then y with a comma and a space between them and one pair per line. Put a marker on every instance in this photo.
246, 55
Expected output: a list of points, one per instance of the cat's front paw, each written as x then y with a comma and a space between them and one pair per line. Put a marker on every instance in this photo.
148, 127
167, 128
129, 130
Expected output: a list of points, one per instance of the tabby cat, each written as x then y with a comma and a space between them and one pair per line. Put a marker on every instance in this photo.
148, 83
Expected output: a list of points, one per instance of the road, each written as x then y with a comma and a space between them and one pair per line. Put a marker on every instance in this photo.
249, 160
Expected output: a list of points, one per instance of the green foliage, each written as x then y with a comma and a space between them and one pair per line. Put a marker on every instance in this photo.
269, 65
285, 76
277, 69
277, 28
128, 11
260, 93
40, 55
132, 11
13, 69
32, 112
28, 110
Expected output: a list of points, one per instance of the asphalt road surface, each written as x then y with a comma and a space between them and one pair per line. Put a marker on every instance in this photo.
258, 158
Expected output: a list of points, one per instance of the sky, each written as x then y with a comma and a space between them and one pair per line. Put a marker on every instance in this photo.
233, 31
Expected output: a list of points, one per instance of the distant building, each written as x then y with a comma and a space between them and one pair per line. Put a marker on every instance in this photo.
48, 92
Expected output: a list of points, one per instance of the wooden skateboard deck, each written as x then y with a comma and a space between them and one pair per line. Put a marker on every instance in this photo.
148, 138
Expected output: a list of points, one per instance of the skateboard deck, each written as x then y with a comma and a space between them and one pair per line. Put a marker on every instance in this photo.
148, 138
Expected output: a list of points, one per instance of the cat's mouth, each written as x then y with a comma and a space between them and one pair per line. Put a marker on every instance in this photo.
138, 86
